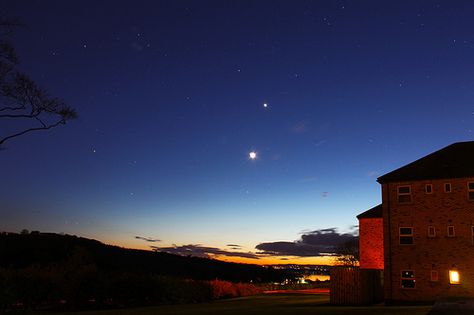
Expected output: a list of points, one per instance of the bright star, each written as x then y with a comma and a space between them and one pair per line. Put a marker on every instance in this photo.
265, 105
253, 155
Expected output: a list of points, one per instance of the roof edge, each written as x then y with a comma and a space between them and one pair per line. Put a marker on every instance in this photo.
375, 212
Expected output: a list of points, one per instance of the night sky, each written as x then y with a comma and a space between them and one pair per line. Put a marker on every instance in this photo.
170, 97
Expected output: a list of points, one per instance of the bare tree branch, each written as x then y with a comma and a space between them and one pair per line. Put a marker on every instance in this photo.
12, 108
20, 97
2, 141
19, 116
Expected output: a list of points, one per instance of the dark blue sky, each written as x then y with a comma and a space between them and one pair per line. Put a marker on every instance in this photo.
170, 99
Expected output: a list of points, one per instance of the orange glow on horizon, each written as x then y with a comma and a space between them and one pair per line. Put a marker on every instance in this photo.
127, 242
268, 260
280, 260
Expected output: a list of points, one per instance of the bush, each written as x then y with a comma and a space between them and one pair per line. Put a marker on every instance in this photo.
225, 289
87, 287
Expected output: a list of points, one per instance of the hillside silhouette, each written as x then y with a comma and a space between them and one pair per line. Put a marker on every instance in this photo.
52, 271
52, 250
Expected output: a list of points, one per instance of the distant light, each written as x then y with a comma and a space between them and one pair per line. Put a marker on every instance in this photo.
454, 277
265, 105
253, 155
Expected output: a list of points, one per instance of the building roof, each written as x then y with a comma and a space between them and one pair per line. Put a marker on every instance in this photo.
453, 161
375, 212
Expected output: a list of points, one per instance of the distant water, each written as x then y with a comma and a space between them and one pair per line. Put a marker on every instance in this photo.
317, 277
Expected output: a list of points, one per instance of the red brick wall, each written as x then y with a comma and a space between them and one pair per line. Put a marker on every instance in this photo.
371, 243
440, 253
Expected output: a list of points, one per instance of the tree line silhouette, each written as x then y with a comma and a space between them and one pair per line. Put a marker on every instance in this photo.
46, 270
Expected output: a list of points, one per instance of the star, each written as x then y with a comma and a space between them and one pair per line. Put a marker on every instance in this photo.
265, 105
252, 155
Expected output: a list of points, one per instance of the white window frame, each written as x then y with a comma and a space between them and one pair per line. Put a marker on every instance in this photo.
431, 189
400, 235
472, 234
447, 231
409, 279
450, 188
399, 194
431, 228
470, 190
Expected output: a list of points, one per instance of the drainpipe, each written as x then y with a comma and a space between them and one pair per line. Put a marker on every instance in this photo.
389, 242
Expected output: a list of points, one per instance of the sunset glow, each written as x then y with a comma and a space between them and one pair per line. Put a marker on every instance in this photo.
198, 134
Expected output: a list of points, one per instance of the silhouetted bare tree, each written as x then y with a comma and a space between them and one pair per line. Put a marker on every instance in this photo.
21, 99
348, 253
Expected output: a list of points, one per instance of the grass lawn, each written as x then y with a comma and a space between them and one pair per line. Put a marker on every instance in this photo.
286, 304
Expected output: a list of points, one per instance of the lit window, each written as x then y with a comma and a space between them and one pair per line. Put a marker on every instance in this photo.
447, 187
454, 277
434, 275
451, 231
431, 231
408, 279
428, 189
404, 194
470, 190
406, 235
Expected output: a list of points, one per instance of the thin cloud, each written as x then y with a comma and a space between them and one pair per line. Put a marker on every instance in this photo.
147, 239
233, 245
197, 250
319, 143
309, 179
372, 173
284, 248
299, 128
276, 157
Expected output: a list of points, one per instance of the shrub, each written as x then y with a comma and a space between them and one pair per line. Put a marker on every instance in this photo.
225, 289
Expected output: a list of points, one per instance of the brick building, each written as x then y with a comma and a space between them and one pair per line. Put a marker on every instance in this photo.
428, 227
371, 239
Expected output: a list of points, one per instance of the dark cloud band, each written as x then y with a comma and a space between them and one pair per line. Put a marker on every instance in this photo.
324, 242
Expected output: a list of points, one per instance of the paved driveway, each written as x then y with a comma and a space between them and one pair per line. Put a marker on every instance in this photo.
454, 306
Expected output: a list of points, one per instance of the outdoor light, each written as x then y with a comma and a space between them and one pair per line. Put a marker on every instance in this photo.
454, 277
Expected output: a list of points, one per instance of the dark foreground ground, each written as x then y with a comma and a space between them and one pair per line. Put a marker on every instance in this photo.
274, 304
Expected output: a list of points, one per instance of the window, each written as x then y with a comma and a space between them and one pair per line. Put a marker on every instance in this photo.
408, 279
406, 235
428, 189
451, 231
454, 277
404, 194
434, 275
470, 190
431, 231
447, 187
